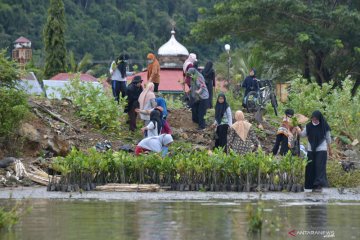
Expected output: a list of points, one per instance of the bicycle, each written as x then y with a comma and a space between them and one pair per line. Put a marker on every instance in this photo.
257, 100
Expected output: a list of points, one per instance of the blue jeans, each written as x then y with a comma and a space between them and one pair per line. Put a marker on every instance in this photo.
117, 87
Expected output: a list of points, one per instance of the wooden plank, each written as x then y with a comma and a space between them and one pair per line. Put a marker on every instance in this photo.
116, 187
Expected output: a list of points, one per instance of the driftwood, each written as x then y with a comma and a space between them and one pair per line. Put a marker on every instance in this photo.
115, 187
52, 114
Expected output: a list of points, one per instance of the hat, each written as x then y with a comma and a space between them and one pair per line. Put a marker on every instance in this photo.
137, 79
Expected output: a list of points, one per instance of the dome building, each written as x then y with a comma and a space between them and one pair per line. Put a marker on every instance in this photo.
171, 56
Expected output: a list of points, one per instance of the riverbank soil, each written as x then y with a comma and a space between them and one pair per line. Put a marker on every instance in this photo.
53, 127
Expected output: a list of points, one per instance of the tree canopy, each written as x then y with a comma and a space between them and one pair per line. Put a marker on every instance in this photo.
108, 28
322, 38
54, 39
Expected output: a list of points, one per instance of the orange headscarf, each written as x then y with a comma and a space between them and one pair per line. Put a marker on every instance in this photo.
151, 56
241, 126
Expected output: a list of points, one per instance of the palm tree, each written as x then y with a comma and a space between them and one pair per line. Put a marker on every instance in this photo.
80, 66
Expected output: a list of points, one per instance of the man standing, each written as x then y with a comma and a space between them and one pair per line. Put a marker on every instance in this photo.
153, 71
133, 92
250, 84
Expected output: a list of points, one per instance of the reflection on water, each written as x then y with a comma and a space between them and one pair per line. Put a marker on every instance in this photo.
54, 219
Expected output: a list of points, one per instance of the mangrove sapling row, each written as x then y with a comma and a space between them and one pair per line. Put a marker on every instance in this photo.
182, 170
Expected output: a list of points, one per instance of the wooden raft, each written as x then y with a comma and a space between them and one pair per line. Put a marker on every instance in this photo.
116, 187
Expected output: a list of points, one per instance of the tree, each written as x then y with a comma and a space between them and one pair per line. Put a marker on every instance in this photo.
54, 39
80, 66
9, 72
322, 38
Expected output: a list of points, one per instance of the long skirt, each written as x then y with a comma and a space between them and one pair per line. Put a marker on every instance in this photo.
221, 136
315, 172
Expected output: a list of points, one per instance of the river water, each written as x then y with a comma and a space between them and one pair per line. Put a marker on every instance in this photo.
176, 219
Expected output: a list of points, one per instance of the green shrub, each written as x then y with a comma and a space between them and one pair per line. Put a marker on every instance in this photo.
341, 110
13, 109
183, 166
337, 177
9, 72
10, 217
95, 105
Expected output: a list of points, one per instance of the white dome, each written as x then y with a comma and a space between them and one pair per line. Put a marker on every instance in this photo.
172, 47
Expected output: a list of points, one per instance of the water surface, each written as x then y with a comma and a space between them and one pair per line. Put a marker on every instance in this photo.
215, 219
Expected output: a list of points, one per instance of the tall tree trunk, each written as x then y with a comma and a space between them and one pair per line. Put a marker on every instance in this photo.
356, 86
322, 74
306, 66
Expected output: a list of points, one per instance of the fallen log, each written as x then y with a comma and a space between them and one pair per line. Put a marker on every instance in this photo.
54, 115
115, 187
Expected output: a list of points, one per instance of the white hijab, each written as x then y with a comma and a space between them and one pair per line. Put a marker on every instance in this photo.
190, 60
156, 143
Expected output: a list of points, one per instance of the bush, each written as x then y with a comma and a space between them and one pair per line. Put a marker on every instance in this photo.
337, 177
182, 167
341, 110
95, 105
8, 71
13, 109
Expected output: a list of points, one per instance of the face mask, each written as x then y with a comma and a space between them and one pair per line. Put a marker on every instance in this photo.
315, 124
150, 61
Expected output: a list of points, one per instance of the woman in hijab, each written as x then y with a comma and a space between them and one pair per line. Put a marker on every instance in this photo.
162, 103
147, 103
241, 137
189, 63
162, 108
318, 134
154, 144
209, 75
223, 119
153, 73
199, 97
118, 76
155, 125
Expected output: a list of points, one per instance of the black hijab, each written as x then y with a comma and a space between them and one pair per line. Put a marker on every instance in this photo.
220, 108
156, 119
317, 134
208, 70
121, 64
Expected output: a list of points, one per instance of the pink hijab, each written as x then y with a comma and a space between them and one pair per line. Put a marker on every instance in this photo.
146, 94
190, 60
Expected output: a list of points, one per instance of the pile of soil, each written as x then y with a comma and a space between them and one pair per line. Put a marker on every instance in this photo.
186, 130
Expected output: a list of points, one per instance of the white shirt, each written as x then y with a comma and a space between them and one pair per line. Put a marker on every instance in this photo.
152, 129
115, 73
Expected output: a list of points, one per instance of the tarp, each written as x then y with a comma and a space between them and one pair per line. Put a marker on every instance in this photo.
30, 87
53, 87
